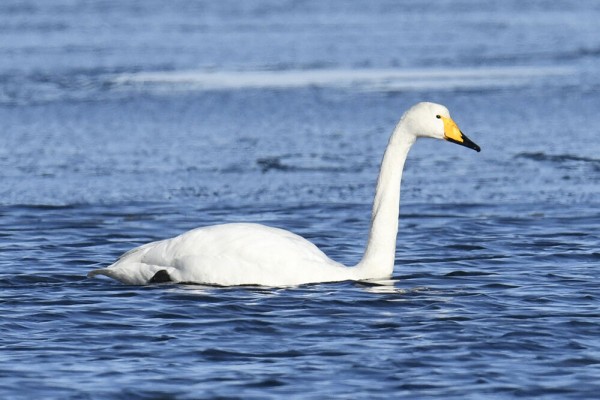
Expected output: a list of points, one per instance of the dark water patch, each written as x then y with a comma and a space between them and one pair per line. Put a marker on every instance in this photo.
267, 383
561, 160
267, 164
218, 355
578, 362
467, 247
16, 278
468, 273
502, 286
275, 163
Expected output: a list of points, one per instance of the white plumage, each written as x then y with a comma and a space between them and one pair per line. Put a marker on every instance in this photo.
254, 254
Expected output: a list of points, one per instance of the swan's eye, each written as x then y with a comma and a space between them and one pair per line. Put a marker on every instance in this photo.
438, 116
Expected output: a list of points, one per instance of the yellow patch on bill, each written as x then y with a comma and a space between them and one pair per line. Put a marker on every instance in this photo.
451, 130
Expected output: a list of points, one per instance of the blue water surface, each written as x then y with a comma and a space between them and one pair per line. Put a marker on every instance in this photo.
128, 122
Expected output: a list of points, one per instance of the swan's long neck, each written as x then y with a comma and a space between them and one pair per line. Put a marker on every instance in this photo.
378, 260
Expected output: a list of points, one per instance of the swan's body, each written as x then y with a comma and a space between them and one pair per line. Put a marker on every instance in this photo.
253, 254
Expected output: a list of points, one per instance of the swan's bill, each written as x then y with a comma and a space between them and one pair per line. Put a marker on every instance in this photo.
454, 135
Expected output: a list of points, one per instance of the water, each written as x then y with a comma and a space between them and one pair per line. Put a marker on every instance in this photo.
126, 122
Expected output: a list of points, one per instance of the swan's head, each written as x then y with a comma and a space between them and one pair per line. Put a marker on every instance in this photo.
433, 120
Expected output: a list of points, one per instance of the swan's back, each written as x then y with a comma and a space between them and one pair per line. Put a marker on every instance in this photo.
229, 254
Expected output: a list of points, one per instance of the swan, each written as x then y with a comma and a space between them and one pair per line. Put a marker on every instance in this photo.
253, 254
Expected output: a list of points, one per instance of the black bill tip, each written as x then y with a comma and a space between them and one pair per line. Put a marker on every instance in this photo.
466, 142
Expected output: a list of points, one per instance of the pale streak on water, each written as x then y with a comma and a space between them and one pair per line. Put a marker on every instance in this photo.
116, 132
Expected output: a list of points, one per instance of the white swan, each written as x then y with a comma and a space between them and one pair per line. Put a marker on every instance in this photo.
253, 254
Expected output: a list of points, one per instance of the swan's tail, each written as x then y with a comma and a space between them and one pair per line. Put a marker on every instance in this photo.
120, 275
111, 273
136, 274
95, 272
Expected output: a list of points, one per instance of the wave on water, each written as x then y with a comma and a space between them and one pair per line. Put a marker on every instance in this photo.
365, 79
102, 84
